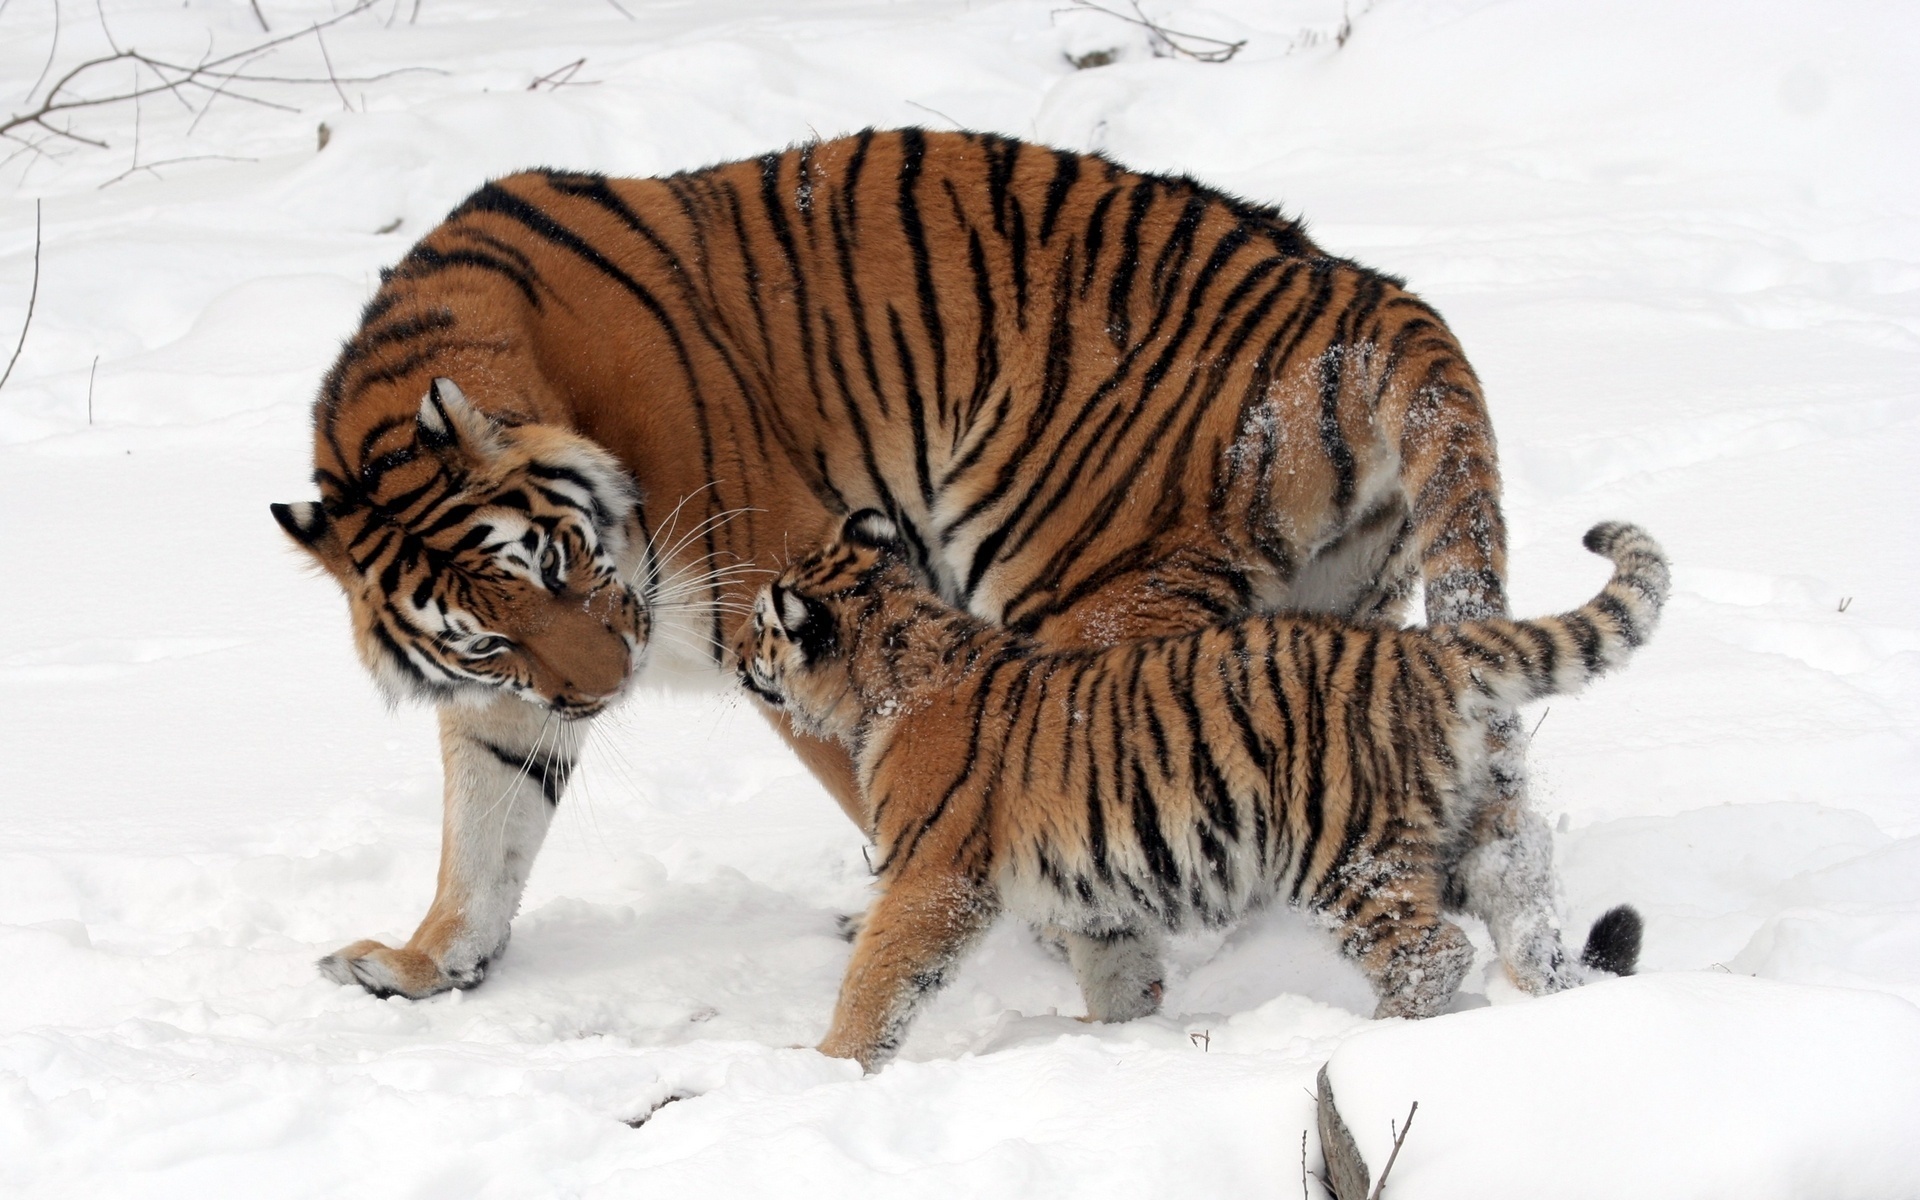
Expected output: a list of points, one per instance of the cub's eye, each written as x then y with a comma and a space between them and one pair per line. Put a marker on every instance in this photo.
487, 647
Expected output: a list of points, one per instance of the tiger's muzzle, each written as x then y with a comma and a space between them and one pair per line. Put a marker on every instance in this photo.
586, 650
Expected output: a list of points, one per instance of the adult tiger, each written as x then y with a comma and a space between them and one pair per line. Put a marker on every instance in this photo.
1097, 404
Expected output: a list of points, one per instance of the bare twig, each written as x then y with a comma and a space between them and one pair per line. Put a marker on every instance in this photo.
1846, 602
100, 11
623, 12
1540, 722
671, 1098
51, 51
1340, 35
168, 162
93, 370
211, 75
260, 17
1400, 1135
1303, 1160
1202, 1038
561, 76
33, 296
1168, 43
331, 77
936, 112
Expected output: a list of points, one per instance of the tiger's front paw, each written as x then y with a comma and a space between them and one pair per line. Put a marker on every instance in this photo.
384, 971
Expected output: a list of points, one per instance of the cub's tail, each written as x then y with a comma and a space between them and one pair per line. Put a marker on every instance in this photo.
1613, 944
1517, 661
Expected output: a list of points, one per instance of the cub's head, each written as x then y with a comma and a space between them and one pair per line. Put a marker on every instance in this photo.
795, 653
482, 559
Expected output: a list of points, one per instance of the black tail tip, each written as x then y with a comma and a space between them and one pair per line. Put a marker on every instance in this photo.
1601, 537
1613, 944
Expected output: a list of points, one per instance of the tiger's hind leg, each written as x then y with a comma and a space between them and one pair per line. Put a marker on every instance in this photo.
1121, 972
1505, 875
1420, 969
914, 937
505, 767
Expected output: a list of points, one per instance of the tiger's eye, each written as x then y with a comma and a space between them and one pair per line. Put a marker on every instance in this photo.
487, 647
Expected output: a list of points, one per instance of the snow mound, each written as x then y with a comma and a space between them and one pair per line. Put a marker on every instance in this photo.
1692, 1084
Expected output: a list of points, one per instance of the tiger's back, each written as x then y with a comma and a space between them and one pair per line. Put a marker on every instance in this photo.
1003, 347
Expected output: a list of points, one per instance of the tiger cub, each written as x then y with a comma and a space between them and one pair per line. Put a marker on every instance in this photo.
1163, 783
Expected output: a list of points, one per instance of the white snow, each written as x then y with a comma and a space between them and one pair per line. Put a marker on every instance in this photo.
1683, 1084
1681, 242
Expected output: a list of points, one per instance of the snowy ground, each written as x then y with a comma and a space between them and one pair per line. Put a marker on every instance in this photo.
1681, 242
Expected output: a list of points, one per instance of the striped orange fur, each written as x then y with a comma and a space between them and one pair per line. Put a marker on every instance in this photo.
1167, 783
1097, 404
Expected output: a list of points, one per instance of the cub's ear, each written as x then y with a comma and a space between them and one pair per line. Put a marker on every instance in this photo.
448, 421
307, 524
871, 527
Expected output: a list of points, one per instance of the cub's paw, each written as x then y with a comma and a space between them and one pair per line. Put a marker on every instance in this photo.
384, 971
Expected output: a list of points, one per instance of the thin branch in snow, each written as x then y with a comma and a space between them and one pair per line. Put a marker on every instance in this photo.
38, 149
1540, 722
1167, 43
168, 162
334, 79
51, 51
260, 17
214, 76
1399, 1136
562, 76
91, 372
643, 1118
100, 11
623, 12
32, 296
1846, 602
936, 112
1303, 1166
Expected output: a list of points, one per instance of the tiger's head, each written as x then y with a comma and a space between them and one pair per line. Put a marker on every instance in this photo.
481, 559
796, 653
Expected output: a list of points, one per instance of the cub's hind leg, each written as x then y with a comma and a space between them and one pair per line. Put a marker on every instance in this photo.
505, 767
914, 937
1389, 922
1418, 969
1121, 972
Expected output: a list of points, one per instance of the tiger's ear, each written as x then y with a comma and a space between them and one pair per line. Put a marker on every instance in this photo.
448, 422
871, 527
307, 524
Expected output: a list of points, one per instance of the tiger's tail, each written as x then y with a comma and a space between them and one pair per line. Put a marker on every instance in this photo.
1513, 662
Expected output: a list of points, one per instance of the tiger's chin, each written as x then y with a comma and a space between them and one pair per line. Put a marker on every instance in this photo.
476, 697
